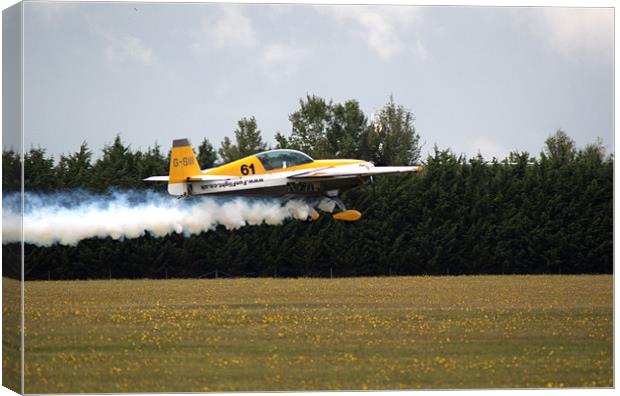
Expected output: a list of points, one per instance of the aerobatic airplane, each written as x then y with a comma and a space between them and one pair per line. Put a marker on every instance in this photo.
274, 173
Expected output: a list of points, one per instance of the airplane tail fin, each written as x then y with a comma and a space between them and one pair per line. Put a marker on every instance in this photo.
183, 165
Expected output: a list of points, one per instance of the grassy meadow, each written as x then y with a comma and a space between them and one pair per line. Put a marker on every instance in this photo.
11, 334
319, 334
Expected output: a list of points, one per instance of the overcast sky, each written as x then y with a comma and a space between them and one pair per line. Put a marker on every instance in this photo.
477, 78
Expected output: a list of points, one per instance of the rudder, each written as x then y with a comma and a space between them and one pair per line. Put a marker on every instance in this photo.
183, 164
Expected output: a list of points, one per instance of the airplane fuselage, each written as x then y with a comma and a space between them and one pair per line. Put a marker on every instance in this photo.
277, 184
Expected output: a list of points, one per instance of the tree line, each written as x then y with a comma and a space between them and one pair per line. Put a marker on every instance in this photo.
550, 213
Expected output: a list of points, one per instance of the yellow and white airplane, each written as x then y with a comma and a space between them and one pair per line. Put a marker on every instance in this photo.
274, 173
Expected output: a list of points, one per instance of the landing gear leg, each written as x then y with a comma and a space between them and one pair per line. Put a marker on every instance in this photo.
339, 203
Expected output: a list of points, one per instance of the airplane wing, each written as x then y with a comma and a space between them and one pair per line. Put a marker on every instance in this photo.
352, 171
199, 178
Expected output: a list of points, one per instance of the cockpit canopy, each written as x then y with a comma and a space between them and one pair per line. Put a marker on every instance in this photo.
278, 159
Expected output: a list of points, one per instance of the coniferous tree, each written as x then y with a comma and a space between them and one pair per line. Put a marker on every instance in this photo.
206, 154
228, 152
74, 171
248, 141
116, 168
248, 136
38, 171
11, 171
149, 163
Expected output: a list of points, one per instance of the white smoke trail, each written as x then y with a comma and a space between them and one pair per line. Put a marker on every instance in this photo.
67, 218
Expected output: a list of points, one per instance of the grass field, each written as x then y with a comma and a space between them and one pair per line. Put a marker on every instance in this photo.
319, 334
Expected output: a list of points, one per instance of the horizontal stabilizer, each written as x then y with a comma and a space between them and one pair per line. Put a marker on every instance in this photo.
157, 178
199, 178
